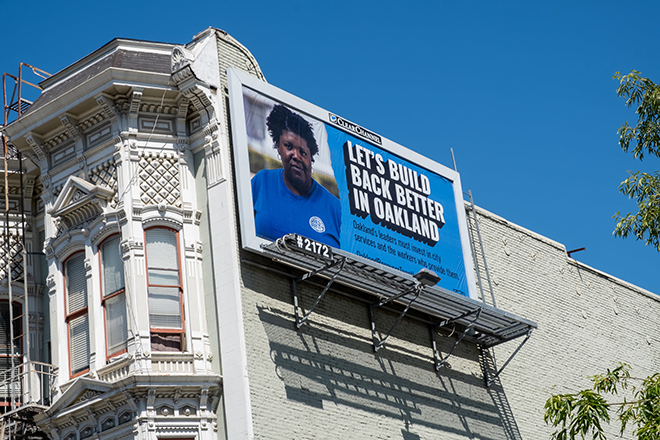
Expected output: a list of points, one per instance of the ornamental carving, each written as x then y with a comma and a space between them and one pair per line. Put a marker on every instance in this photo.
14, 255
159, 181
87, 395
105, 174
79, 202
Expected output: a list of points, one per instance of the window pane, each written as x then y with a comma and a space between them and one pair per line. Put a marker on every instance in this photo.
79, 343
116, 323
162, 255
5, 332
164, 277
113, 267
76, 283
165, 342
164, 307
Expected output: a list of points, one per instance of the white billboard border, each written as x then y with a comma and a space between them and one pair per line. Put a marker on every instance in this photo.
250, 241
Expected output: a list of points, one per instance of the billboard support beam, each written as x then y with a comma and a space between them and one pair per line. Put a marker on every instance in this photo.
301, 321
490, 379
470, 326
378, 343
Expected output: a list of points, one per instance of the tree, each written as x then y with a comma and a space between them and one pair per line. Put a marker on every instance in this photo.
580, 415
642, 139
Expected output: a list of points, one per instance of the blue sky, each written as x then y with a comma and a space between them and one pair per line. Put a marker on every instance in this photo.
522, 91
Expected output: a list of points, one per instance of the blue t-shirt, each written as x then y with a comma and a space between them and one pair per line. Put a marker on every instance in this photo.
278, 211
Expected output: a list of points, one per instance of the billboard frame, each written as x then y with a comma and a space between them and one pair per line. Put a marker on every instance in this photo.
238, 79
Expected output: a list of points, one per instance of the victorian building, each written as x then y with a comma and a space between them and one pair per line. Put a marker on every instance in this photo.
119, 153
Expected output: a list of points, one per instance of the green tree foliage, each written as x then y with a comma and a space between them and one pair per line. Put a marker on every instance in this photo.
641, 140
582, 415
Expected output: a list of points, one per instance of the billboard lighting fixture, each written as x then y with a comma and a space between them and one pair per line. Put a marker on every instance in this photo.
427, 277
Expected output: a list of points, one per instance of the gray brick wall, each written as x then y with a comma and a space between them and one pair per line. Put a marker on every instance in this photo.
325, 381
588, 321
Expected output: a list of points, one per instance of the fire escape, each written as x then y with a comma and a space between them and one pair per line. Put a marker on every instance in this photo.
25, 384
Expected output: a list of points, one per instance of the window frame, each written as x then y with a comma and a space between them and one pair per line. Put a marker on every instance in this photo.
68, 317
114, 294
181, 332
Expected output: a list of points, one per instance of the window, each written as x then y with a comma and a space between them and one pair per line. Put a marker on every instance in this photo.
5, 346
113, 297
77, 317
5, 335
165, 292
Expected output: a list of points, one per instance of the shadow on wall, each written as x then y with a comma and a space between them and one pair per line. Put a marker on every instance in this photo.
500, 401
326, 368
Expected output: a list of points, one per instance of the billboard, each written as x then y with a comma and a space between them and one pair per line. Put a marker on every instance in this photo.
301, 169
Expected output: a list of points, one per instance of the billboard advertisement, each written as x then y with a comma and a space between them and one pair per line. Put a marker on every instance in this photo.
301, 169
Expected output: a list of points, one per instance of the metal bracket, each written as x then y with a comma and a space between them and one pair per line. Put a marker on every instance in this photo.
300, 321
489, 380
440, 362
378, 343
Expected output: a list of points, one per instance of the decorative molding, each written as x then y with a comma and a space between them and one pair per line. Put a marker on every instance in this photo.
82, 163
56, 140
181, 58
159, 179
69, 124
29, 187
151, 412
198, 97
121, 105
182, 144
91, 121
110, 224
212, 129
182, 112
165, 221
105, 107
35, 144
14, 243
69, 249
130, 245
147, 107
136, 97
92, 415
79, 202
105, 174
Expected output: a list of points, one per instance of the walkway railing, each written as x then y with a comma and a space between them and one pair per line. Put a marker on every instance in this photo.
27, 384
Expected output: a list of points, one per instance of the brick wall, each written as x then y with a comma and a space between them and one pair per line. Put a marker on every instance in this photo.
588, 321
325, 381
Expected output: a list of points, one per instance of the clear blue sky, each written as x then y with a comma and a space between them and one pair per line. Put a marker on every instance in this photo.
522, 91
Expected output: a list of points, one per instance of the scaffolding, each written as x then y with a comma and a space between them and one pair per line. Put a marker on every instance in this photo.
25, 385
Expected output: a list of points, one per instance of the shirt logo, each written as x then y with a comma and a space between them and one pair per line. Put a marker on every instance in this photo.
317, 224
